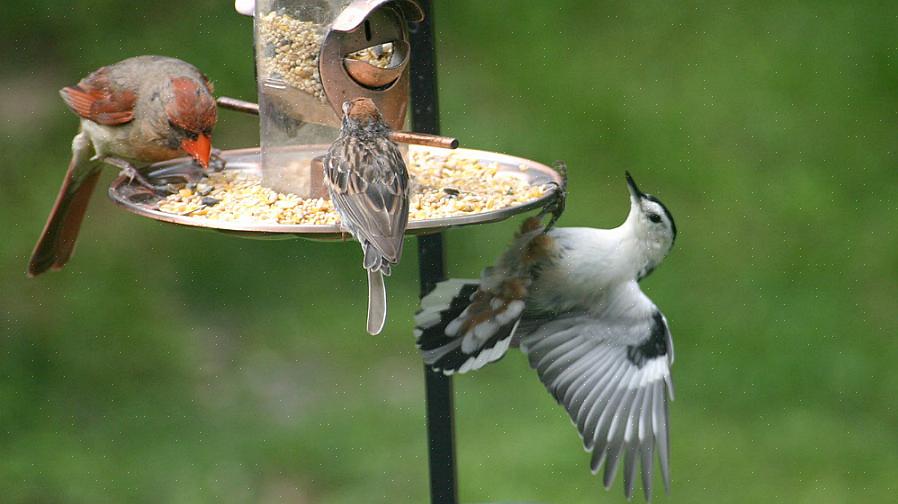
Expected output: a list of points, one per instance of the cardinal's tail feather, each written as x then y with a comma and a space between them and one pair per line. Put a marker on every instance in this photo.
57, 241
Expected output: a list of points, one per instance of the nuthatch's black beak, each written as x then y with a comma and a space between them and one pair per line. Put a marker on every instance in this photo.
635, 193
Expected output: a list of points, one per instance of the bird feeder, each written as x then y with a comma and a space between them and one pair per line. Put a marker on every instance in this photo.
311, 56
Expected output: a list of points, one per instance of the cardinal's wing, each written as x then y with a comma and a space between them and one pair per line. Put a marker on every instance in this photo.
101, 99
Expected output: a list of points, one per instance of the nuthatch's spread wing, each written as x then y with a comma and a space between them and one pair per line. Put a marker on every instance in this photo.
368, 184
611, 372
571, 298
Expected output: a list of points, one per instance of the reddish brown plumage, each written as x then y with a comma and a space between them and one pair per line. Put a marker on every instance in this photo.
127, 111
363, 110
57, 240
481, 308
192, 108
538, 248
514, 288
95, 98
529, 224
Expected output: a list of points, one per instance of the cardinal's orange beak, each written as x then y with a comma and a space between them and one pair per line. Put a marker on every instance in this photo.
200, 149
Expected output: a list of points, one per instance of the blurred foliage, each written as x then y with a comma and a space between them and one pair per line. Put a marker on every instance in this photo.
171, 365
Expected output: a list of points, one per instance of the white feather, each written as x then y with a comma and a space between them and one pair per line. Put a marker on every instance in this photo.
484, 331
453, 326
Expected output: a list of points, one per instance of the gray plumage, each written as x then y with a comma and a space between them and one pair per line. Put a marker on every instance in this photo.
570, 297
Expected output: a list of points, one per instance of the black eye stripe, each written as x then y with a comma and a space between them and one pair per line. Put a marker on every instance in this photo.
670, 219
190, 134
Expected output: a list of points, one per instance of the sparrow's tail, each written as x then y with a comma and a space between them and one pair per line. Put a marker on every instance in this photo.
461, 327
57, 241
377, 302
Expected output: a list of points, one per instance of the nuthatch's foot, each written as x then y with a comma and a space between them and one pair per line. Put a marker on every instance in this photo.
558, 202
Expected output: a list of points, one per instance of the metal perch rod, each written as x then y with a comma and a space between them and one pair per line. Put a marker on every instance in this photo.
408, 137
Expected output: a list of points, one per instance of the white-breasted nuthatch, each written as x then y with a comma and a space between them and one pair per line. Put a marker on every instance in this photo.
571, 298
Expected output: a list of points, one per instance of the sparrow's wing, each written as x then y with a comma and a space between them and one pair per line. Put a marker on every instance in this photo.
369, 187
465, 324
611, 372
99, 98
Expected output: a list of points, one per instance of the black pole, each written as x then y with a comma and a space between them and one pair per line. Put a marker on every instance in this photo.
432, 269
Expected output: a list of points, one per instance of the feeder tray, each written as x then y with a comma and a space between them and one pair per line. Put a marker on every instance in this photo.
406, 25
134, 198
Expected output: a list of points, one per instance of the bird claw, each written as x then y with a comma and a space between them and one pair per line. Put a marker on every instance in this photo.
133, 174
556, 205
142, 181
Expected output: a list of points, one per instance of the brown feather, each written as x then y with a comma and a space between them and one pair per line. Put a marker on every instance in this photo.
193, 108
363, 110
95, 98
481, 309
530, 224
57, 240
537, 249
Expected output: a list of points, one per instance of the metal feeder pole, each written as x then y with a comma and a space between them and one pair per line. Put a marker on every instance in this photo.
432, 269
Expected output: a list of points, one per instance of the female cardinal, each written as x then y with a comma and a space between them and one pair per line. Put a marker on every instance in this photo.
368, 183
135, 112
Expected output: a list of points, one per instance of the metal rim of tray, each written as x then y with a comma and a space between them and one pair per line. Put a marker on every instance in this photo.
121, 192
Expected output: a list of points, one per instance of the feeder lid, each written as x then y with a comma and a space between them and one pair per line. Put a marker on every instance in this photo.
353, 15
245, 7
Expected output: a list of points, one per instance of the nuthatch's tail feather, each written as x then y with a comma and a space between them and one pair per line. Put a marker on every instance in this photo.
461, 328
377, 302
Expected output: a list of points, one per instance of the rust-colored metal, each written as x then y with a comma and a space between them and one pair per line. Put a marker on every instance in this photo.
373, 76
406, 137
364, 24
409, 137
238, 105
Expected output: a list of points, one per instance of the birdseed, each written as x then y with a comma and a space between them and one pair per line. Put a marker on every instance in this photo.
442, 186
291, 48
290, 52
379, 55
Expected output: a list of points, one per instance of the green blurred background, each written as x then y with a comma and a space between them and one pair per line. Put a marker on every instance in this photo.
178, 366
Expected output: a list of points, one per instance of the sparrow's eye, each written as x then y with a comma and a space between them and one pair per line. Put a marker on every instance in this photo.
654, 218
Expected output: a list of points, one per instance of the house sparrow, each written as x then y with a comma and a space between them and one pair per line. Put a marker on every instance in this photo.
368, 184
571, 298
133, 113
